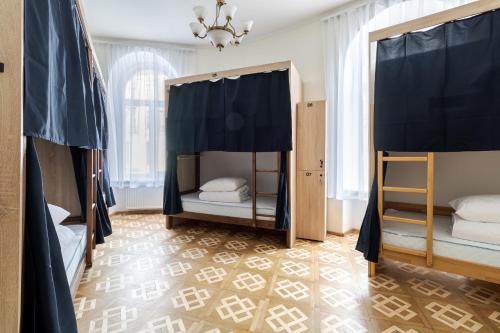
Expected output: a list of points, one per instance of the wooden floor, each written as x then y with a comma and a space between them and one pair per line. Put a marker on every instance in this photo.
211, 278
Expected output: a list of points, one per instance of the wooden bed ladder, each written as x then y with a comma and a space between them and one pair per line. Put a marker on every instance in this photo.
94, 176
255, 194
428, 191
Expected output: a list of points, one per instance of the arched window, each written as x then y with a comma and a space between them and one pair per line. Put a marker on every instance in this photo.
137, 107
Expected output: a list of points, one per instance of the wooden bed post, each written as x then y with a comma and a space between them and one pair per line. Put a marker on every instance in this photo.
169, 222
89, 214
254, 189
13, 149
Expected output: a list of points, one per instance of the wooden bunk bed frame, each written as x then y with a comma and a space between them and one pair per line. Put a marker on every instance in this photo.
423, 258
12, 160
257, 220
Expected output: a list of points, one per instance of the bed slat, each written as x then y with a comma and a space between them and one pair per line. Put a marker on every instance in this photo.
404, 189
404, 220
405, 159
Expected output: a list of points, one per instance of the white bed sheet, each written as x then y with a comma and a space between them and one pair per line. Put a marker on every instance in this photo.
192, 203
413, 237
73, 251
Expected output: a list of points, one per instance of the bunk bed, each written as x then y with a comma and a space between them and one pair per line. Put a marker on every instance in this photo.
414, 118
65, 137
63, 186
248, 110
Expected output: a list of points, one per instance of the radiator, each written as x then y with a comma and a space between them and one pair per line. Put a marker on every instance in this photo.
144, 198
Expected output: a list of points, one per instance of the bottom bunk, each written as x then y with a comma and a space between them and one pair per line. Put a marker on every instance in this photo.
239, 213
451, 254
73, 252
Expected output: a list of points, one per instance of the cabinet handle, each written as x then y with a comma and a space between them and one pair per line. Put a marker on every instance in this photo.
321, 178
308, 174
2, 67
321, 164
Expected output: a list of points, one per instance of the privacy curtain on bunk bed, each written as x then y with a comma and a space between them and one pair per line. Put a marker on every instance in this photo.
435, 91
246, 114
63, 103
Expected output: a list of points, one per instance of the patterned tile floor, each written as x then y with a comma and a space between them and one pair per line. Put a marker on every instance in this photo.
211, 278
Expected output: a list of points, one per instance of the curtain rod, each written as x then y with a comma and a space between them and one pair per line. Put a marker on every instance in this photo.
142, 43
453, 14
345, 9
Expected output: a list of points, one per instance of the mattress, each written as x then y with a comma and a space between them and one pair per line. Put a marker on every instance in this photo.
73, 251
413, 237
192, 203
484, 232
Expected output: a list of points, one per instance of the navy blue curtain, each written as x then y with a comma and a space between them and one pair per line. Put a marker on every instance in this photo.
107, 189
282, 221
436, 91
58, 95
172, 203
439, 90
369, 234
103, 223
248, 114
47, 305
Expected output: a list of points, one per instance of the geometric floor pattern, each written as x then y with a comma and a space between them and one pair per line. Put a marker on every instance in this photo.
202, 277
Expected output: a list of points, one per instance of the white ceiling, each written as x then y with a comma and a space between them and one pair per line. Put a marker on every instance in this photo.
168, 20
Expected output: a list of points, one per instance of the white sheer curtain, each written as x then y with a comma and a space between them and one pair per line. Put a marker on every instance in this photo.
345, 41
135, 78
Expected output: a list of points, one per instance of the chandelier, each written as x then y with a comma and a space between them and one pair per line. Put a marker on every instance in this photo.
220, 35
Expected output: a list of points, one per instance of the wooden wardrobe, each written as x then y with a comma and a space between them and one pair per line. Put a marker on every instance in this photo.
311, 195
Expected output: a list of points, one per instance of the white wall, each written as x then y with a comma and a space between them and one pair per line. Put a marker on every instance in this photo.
301, 44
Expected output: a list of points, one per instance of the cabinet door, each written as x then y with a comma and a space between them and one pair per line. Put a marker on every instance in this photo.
311, 221
311, 135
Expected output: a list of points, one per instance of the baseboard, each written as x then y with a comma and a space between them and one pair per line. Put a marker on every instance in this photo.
138, 211
339, 234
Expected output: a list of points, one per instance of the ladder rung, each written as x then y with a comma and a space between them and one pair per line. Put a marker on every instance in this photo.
404, 189
404, 220
405, 159
404, 250
266, 194
266, 170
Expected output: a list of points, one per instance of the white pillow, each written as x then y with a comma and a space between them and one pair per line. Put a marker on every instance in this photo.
480, 208
58, 214
65, 235
223, 184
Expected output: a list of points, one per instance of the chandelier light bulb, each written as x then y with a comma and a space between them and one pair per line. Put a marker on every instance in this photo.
196, 28
200, 13
247, 26
229, 11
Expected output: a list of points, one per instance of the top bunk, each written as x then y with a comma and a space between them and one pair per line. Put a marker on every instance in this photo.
241, 110
437, 89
